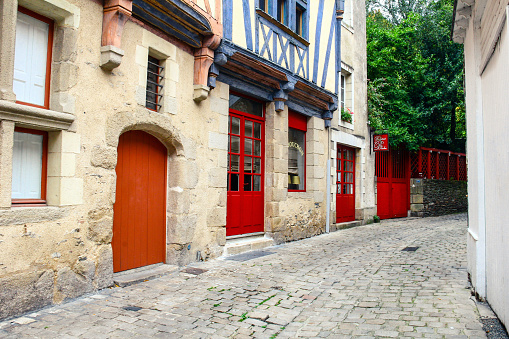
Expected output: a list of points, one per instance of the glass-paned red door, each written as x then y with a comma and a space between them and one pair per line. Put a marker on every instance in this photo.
345, 184
245, 170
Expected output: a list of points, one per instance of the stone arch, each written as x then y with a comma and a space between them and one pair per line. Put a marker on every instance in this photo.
182, 174
156, 124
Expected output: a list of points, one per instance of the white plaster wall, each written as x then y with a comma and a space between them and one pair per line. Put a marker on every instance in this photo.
474, 136
496, 159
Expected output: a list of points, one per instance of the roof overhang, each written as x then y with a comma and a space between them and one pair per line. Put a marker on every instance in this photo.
247, 73
175, 18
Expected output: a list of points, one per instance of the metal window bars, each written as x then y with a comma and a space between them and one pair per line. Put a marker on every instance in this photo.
155, 78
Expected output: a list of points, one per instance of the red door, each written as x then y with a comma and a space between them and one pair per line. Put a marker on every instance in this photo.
245, 173
393, 181
139, 213
345, 182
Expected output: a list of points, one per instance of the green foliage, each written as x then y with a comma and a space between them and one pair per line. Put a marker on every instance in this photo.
415, 92
346, 115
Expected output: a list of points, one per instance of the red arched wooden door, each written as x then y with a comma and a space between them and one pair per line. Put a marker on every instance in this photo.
139, 213
345, 181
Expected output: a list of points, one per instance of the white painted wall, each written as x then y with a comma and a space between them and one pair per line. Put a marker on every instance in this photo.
496, 159
487, 106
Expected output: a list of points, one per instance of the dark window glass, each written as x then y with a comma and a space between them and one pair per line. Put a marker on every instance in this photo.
154, 84
262, 6
298, 20
282, 8
233, 182
296, 159
245, 105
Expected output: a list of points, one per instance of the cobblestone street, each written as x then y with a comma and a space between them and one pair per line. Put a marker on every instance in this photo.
352, 283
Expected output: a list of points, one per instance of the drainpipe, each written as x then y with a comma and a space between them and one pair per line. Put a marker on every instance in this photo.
327, 221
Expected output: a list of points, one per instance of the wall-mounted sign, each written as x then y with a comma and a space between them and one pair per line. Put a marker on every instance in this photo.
380, 142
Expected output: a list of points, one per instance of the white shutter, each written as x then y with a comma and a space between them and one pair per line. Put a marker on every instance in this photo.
27, 166
30, 59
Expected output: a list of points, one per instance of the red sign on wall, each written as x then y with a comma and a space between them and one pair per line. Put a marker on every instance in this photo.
380, 142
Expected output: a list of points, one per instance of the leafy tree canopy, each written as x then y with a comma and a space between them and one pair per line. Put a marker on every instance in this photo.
415, 70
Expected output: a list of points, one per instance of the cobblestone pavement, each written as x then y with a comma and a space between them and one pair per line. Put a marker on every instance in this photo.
352, 283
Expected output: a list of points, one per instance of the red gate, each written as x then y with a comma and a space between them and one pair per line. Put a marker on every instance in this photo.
345, 182
393, 183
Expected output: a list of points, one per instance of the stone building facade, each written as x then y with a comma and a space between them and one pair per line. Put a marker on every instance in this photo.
120, 142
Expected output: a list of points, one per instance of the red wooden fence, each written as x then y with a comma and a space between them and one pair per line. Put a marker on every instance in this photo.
431, 163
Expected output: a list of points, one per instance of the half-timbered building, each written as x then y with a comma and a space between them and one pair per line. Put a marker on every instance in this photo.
140, 132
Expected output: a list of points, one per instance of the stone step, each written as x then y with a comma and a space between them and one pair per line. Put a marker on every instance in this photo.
136, 275
345, 225
245, 244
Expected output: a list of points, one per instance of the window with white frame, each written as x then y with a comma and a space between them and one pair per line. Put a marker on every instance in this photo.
32, 59
348, 14
346, 97
29, 166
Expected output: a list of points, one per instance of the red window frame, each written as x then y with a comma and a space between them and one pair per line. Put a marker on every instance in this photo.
44, 169
299, 122
341, 170
49, 55
261, 120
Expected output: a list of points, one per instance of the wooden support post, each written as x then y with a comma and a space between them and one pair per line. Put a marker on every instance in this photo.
437, 166
419, 165
428, 170
448, 175
458, 167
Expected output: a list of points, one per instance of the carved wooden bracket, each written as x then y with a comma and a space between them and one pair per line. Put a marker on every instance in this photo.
115, 15
203, 59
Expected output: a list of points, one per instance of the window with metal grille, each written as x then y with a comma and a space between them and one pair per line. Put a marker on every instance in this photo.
155, 76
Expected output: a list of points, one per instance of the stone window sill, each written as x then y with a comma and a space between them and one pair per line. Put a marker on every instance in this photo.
34, 116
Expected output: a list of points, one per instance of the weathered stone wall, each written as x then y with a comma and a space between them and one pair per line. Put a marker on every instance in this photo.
53, 253
294, 215
49, 254
430, 197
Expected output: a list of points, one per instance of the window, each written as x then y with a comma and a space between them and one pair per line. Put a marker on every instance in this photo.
347, 97
282, 12
154, 84
297, 127
348, 14
29, 166
245, 105
299, 20
264, 5
32, 58
343, 82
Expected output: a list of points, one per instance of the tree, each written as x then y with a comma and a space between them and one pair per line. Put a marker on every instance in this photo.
415, 91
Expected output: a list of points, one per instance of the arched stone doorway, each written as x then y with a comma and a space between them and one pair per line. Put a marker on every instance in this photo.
139, 220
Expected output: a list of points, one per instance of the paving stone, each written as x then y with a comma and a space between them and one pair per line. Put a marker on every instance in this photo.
354, 282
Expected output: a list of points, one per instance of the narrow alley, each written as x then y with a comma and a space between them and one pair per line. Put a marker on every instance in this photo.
400, 278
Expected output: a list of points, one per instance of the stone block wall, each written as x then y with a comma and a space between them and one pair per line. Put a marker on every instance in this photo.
430, 197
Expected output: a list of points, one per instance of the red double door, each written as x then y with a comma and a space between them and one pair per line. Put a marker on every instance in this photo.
345, 183
139, 213
392, 169
245, 207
